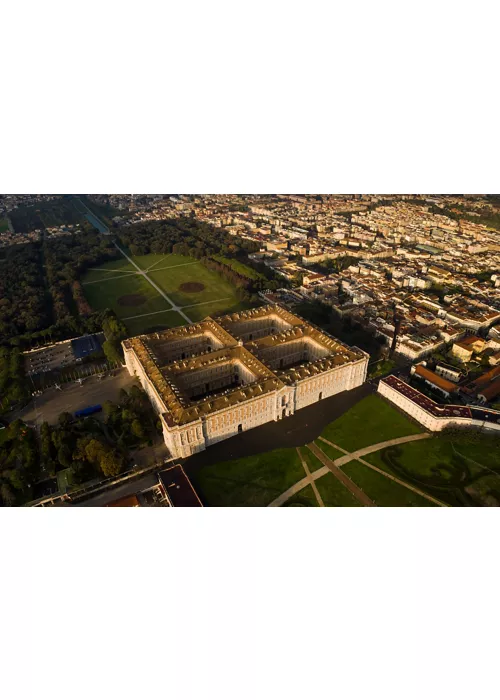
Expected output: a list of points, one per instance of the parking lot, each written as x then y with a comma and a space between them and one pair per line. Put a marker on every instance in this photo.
73, 396
54, 357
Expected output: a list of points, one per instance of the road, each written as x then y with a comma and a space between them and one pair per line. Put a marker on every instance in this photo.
129, 489
153, 284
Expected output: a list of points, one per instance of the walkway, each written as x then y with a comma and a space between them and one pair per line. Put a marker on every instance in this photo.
153, 284
166, 311
373, 448
333, 467
311, 481
358, 493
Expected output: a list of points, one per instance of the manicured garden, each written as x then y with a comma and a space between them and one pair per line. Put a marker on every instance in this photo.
305, 497
187, 282
381, 490
461, 468
370, 421
333, 493
330, 451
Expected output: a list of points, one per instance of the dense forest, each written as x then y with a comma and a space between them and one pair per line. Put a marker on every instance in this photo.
41, 297
66, 260
196, 238
87, 447
24, 298
218, 249
14, 389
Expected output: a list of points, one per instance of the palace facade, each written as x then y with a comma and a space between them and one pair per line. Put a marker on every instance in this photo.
214, 379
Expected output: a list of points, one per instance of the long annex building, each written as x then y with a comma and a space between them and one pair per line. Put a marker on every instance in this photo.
214, 379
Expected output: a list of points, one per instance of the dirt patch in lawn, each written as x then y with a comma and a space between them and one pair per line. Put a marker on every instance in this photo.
132, 300
191, 287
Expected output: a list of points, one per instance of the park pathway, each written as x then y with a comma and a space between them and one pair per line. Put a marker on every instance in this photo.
311, 480
333, 467
373, 448
108, 279
358, 493
153, 284
166, 311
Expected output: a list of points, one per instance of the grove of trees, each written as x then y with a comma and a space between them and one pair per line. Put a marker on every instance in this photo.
90, 448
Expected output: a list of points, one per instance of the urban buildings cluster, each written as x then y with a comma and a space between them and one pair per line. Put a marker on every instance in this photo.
423, 268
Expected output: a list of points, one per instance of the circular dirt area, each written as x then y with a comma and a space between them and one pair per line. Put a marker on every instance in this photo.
191, 287
132, 300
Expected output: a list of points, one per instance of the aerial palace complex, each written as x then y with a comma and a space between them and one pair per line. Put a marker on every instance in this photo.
214, 379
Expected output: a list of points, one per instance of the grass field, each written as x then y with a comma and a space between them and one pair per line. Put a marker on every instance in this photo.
372, 420
382, 490
4, 225
157, 322
450, 468
330, 451
311, 460
171, 279
305, 497
334, 494
123, 294
198, 291
250, 481
259, 479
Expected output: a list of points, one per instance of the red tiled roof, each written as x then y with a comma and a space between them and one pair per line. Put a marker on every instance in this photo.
435, 379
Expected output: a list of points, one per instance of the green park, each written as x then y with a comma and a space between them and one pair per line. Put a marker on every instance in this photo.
138, 296
450, 469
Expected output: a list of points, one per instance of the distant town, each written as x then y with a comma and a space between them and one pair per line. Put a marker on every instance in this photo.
266, 350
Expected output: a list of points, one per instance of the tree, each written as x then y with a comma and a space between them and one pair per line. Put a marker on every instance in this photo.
110, 463
113, 354
137, 429
7, 494
64, 418
64, 456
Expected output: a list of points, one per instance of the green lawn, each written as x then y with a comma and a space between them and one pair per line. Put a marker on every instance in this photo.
330, 451
381, 367
106, 286
112, 268
454, 469
113, 293
370, 421
305, 497
333, 493
214, 286
157, 322
4, 225
311, 460
250, 481
383, 491
160, 260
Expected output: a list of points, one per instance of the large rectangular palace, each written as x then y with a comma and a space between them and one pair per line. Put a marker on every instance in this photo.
214, 379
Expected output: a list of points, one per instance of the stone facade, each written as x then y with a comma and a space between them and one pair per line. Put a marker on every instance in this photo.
434, 416
211, 380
